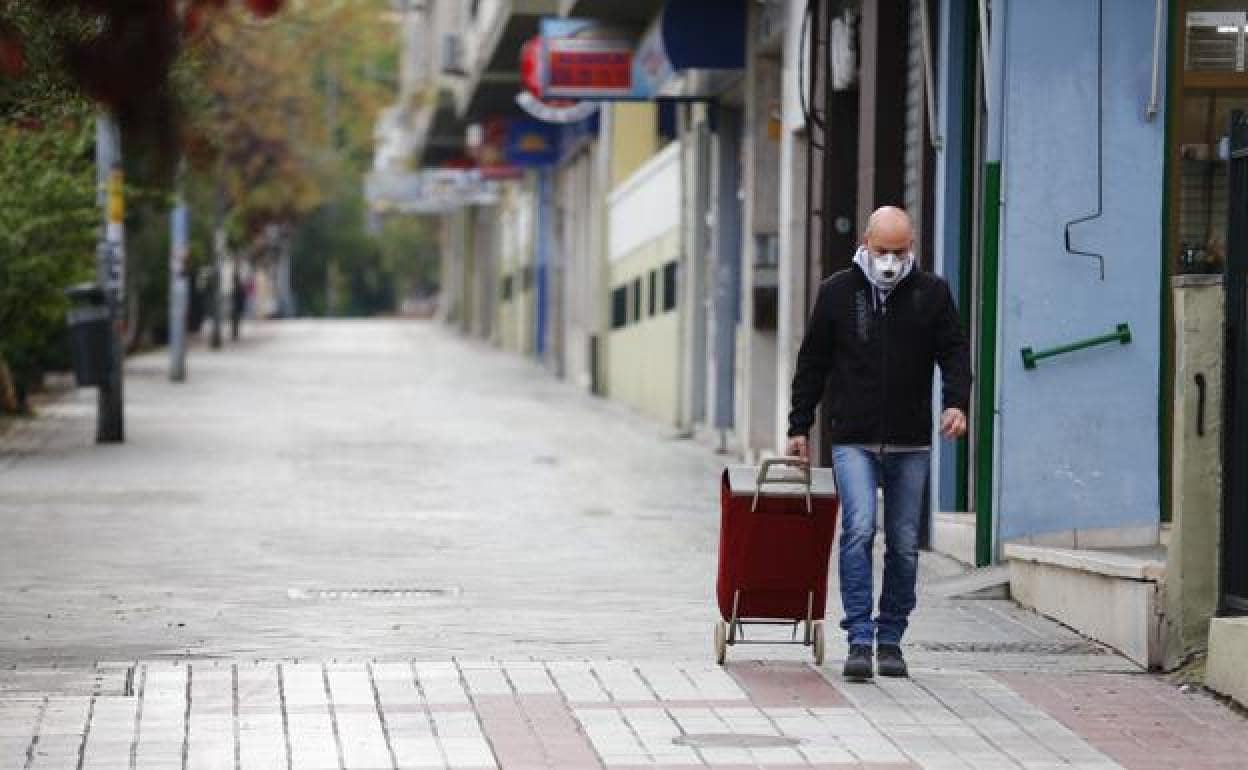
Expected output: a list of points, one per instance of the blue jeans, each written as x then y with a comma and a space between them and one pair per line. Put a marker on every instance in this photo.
903, 475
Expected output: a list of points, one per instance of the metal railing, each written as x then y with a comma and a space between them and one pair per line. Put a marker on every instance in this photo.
1121, 335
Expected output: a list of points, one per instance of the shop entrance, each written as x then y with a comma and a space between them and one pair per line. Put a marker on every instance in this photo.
1235, 506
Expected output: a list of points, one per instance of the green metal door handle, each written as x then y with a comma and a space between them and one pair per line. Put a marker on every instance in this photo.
1121, 335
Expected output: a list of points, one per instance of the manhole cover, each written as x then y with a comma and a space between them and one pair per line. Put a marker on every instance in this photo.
735, 741
373, 594
1076, 647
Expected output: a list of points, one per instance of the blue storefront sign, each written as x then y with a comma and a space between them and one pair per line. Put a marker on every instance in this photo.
531, 143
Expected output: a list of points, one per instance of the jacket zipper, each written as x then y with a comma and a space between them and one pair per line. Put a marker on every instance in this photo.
883, 372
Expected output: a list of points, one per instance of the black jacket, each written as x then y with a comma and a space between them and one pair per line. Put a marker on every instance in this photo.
877, 359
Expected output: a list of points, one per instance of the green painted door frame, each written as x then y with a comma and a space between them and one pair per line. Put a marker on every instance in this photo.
987, 365
988, 300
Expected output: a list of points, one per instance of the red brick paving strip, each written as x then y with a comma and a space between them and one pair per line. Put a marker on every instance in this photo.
824, 766
1140, 721
534, 731
772, 685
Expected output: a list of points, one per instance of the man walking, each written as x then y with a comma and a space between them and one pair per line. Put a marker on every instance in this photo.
876, 332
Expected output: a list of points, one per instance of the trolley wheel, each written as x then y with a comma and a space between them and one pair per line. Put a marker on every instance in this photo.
721, 642
818, 641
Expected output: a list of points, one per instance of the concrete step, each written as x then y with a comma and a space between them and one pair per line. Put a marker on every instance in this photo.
1225, 671
953, 534
1112, 595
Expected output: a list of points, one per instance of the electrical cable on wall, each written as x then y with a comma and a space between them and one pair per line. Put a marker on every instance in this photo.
805, 60
811, 145
1100, 142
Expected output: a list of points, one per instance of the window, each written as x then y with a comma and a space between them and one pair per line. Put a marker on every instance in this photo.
654, 291
508, 287
619, 308
669, 286
1203, 185
1215, 41
1213, 73
766, 250
636, 299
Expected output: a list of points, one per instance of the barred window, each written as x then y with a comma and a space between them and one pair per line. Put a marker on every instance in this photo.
653, 291
669, 286
619, 308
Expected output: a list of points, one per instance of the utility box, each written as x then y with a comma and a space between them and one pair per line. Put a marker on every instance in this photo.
90, 334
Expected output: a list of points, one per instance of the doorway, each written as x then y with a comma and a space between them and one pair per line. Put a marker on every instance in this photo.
1235, 503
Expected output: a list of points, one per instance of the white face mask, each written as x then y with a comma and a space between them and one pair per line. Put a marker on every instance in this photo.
887, 269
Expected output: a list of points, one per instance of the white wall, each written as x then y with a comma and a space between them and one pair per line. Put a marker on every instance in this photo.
646, 205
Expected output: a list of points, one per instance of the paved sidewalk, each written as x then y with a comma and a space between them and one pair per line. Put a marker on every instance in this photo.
315, 553
384, 489
613, 714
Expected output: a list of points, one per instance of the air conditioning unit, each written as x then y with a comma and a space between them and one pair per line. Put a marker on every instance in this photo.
453, 55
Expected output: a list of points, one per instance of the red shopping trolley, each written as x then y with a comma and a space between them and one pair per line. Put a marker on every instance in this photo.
775, 537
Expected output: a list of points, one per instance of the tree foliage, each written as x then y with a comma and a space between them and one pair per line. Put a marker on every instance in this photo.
285, 108
119, 54
409, 253
272, 113
48, 225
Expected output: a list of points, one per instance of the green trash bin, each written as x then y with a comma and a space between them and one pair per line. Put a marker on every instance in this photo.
90, 334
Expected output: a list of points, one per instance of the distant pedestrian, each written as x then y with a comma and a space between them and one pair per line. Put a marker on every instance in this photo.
238, 303
877, 330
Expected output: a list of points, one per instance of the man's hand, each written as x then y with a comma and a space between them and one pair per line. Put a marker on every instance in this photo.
952, 423
798, 447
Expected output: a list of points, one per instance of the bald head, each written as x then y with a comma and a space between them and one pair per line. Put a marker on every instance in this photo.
889, 230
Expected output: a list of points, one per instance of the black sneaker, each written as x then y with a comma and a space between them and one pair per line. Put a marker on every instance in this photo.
890, 661
858, 663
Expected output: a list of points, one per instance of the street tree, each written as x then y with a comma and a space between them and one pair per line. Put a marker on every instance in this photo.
48, 221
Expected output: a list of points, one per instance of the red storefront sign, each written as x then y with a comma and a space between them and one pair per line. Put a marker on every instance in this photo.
597, 70
584, 59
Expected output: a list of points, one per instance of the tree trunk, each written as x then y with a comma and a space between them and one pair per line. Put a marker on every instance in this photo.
8, 390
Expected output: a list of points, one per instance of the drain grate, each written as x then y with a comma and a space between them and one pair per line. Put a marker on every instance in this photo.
1074, 647
373, 594
735, 741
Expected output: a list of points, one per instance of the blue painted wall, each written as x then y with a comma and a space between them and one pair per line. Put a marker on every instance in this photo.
1077, 437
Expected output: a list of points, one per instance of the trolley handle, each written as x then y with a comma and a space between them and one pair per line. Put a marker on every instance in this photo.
765, 477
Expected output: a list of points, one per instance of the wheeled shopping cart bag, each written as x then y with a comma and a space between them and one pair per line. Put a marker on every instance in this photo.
776, 529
